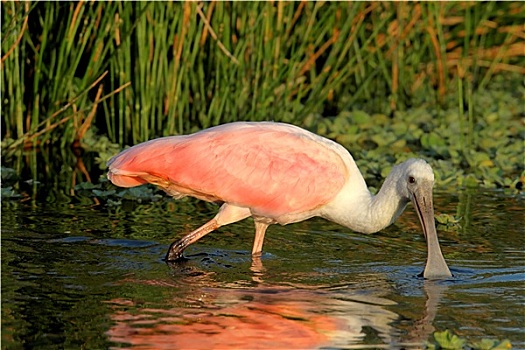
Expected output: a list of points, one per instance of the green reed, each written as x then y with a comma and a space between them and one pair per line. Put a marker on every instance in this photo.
138, 70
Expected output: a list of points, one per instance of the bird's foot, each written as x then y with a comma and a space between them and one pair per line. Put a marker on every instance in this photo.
175, 252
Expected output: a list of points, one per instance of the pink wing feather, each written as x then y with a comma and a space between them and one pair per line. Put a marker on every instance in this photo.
273, 169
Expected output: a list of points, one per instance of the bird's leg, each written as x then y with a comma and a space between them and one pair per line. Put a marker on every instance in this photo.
260, 230
176, 248
227, 214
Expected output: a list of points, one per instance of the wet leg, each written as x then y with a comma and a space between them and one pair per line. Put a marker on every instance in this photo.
260, 230
176, 248
226, 215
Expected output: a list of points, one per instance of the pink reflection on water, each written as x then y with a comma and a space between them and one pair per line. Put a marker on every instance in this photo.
196, 312
271, 319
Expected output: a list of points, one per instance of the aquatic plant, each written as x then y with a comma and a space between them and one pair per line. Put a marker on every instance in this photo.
493, 158
140, 70
442, 81
448, 340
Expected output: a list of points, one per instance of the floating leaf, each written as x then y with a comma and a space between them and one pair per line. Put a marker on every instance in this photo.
471, 181
9, 192
360, 117
100, 193
8, 173
447, 219
486, 163
448, 340
432, 141
86, 186
492, 344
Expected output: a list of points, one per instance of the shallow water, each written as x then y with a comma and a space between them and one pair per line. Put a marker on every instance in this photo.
79, 276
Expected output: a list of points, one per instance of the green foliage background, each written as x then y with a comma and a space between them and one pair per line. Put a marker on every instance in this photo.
442, 80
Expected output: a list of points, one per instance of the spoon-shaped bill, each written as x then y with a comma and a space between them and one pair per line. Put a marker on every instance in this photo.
436, 267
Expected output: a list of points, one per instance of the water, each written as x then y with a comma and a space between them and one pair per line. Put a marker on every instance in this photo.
88, 276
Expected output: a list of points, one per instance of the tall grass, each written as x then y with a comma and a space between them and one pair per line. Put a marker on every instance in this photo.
137, 70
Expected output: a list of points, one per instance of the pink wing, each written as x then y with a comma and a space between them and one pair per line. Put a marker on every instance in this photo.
273, 169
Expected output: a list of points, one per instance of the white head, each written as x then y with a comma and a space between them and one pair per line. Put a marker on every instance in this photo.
410, 174
415, 180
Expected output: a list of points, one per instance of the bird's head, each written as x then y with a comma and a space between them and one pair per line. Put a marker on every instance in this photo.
413, 174
416, 180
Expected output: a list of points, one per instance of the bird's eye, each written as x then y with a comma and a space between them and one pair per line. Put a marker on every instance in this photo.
411, 179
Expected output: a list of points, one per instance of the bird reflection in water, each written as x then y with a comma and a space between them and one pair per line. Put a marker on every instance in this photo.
201, 313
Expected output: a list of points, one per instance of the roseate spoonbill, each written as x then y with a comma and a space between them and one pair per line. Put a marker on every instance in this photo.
278, 173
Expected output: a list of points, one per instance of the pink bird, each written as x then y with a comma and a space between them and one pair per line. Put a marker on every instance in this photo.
278, 174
